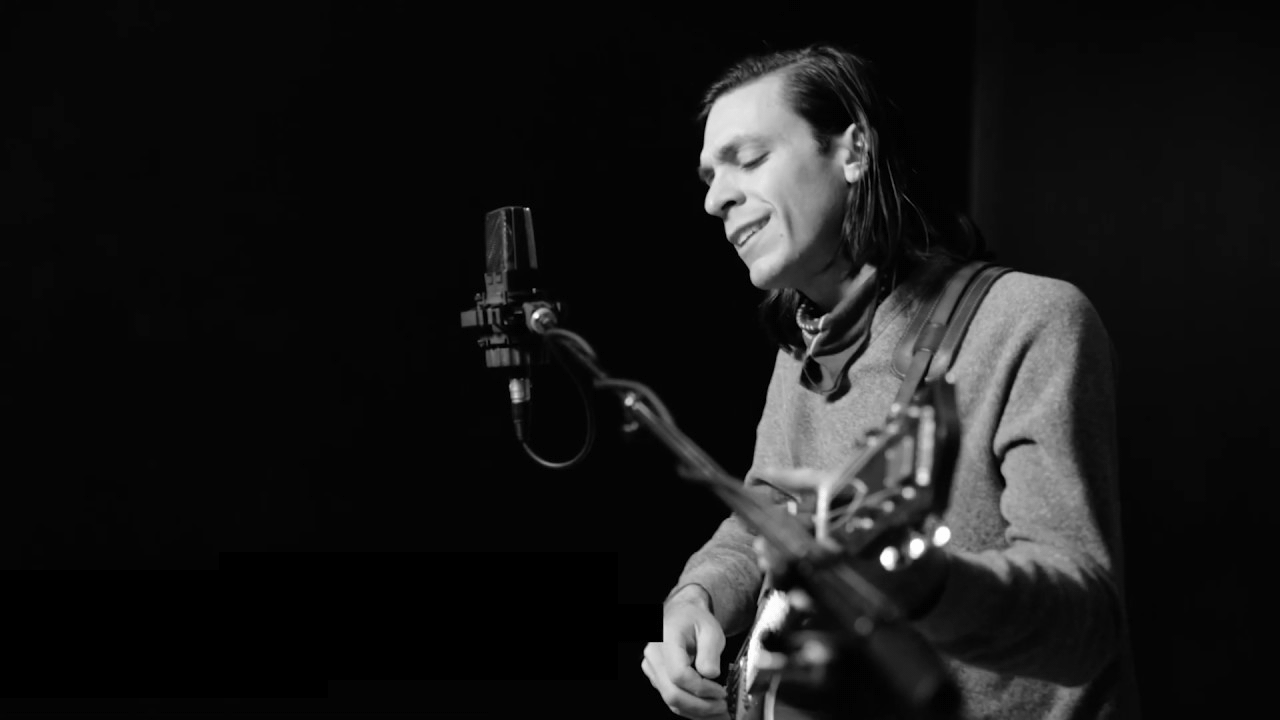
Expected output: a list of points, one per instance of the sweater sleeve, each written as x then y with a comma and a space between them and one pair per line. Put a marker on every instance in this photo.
725, 566
1048, 603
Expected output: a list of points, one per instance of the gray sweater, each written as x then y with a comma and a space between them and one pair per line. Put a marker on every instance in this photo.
1031, 620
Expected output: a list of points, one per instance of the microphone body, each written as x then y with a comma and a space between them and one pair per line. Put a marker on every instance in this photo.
511, 281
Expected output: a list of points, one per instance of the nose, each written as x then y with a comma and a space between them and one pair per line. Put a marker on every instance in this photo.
722, 194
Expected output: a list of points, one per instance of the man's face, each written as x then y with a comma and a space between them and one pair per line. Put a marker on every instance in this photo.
781, 200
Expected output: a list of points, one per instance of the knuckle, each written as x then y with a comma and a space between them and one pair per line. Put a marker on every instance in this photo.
653, 653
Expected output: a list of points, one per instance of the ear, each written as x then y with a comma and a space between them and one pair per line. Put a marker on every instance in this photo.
855, 155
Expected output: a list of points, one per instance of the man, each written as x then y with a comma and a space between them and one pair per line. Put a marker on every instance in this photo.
1025, 602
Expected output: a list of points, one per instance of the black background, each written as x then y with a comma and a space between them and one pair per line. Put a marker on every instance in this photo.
238, 239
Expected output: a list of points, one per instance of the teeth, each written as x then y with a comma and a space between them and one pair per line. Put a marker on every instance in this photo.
751, 233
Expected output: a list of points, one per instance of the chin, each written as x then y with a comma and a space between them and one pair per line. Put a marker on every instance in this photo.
765, 277
769, 283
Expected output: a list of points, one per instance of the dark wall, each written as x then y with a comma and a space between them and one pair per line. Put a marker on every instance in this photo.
1134, 154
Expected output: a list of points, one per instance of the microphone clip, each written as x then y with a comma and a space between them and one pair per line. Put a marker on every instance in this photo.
508, 331
510, 335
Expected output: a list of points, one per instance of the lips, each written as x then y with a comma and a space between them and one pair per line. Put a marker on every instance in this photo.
744, 233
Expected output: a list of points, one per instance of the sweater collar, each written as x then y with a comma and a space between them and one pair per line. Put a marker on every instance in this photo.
836, 339
866, 309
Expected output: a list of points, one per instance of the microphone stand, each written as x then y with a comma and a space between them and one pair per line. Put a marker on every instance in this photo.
854, 604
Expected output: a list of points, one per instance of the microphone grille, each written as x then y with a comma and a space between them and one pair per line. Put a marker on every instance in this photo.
509, 244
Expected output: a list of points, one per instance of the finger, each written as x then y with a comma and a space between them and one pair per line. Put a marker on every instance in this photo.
676, 696
647, 669
710, 646
720, 711
795, 478
676, 645
674, 668
761, 547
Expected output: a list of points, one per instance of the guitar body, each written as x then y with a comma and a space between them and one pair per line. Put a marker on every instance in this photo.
771, 699
901, 483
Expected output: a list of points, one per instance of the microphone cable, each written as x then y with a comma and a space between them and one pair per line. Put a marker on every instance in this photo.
560, 341
587, 406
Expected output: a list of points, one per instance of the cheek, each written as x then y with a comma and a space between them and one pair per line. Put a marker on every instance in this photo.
806, 200
812, 202
807, 217
824, 207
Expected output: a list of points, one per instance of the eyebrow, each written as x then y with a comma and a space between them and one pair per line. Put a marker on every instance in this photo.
728, 152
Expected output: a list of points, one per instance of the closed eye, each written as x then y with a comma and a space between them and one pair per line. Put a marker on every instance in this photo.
707, 176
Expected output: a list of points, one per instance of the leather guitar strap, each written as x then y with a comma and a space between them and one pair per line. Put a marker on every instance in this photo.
929, 345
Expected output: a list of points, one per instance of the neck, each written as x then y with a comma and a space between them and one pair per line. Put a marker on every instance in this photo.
827, 292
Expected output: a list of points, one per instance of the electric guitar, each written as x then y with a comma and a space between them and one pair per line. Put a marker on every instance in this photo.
888, 502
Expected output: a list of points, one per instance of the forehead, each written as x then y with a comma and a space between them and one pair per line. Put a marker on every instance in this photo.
757, 110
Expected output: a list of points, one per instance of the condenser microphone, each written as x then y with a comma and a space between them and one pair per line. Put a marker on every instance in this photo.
511, 280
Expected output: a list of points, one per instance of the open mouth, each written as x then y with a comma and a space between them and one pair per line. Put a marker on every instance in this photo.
752, 232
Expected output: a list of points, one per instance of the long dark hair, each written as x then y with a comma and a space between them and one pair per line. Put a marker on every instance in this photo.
830, 88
